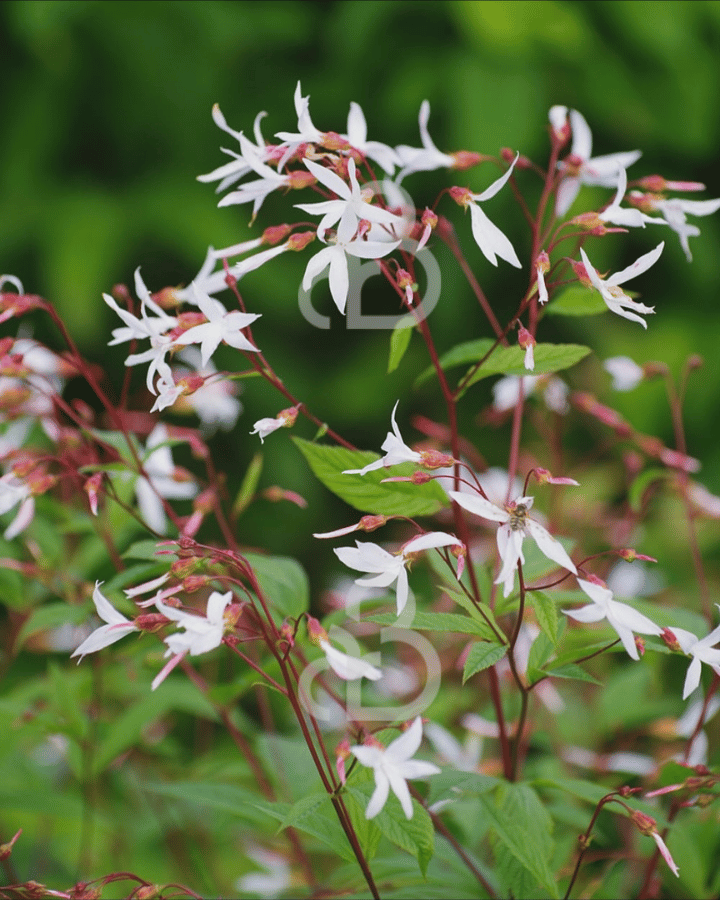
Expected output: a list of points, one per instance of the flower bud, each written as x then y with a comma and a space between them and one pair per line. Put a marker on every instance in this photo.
462, 196
466, 159
342, 752
371, 523
434, 459
300, 240
671, 642
6, 849
316, 632
298, 180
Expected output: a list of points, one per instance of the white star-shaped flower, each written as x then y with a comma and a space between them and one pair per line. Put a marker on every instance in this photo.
15, 492
515, 527
221, 327
392, 766
350, 198
396, 451
357, 137
335, 256
702, 651
622, 617
609, 288
386, 568
674, 211
202, 633
427, 158
626, 373
581, 168
116, 628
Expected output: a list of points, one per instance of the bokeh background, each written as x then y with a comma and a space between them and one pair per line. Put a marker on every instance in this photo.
106, 110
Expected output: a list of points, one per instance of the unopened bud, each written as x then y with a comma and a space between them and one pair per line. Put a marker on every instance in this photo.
429, 219
300, 240
658, 184
92, 489
466, 159
275, 234
434, 459
6, 849
148, 892
462, 196
151, 621
195, 583
316, 632
371, 523
181, 568
631, 555
420, 477
342, 752
640, 644
298, 180
670, 641
287, 633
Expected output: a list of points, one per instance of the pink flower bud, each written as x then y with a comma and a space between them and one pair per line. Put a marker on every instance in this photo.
544, 477
92, 488
316, 632
466, 159
671, 642
434, 459
299, 180
631, 555
371, 523
462, 196
300, 240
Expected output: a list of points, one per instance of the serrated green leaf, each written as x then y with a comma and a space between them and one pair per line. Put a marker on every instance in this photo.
416, 835
481, 656
308, 806
522, 824
577, 300
541, 650
546, 613
147, 550
482, 613
435, 622
365, 492
249, 484
511, 361
642, 483
460, 355
322, 825
400, 341
283, 581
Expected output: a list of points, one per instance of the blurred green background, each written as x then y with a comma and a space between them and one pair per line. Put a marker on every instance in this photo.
107, 124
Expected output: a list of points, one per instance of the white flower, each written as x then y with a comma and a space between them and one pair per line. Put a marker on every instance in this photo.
160, 481
396, 451
701, 651
202, 633
414, 159
626, 373
392, 766
506, 392
350, 199
600, 170
238, 167
14, 492
389, 567
334, 256
674, 212
117, 626
209, 282
221, 327
255, 191
272, 882
347, 667
307, 133
515, 527
621, 617
489, 238
357, 137
616, 215
617, 301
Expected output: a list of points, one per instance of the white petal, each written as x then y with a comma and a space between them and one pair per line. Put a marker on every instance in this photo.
552, 548
642, 264
480, 506
380, 794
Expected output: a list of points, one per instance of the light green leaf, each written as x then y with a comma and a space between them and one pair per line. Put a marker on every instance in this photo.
577, 300
483, 615
460, 355
546, 613
416, 835
284, 581
481, 656
511, 361
523, 825
573, 672
365, 492
400, 341
50, 615
249, 484
642, 483
435, 622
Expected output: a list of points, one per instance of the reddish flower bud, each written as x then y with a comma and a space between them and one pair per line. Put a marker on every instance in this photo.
300, 240
466, 159
462, 196
371, 523
316, 632
6, 849
631, 555
298, 180
434, 459
671, 642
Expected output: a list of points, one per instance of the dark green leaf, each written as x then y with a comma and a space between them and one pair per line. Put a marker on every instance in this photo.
283, 581
435, 622
249, 484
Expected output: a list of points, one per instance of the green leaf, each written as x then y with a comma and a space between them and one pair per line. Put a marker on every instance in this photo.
249, 484
308, 806
325, 826
283, 581
511, 361
435, 622
483, 615
460, 355
522, 824
481, 656
400, 341
147, 550
573, 672
416, 835
642, 483
365, 492
577, 300
541, 650
546, 613
229, 798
